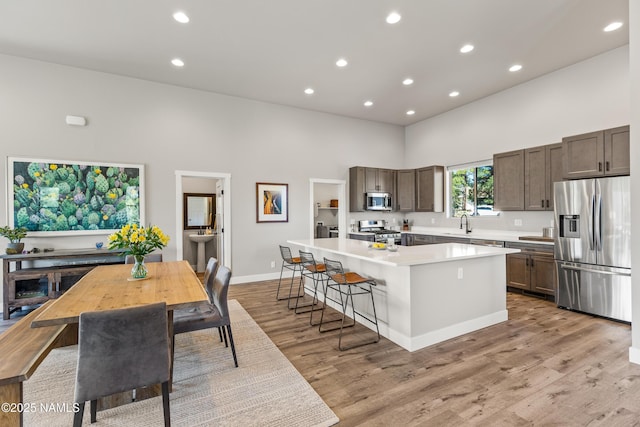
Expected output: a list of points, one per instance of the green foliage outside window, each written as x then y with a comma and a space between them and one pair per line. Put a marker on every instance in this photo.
472, 191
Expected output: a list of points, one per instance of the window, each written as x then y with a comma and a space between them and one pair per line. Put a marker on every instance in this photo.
471, 189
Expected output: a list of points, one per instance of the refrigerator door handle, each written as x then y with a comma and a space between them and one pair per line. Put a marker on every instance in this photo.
598, 223
589, 270
592, 223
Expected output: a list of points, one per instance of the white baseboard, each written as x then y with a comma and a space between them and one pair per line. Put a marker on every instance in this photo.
258, 277
634, 355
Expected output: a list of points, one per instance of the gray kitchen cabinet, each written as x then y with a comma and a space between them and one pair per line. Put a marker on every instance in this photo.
542, 167
596, 154
430, 189
363, 180
381, 180
508, 181
357, 189
406, 190
533, 269
616, 151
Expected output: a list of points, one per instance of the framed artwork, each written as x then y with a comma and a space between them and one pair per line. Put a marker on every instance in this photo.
62, 197
272, 202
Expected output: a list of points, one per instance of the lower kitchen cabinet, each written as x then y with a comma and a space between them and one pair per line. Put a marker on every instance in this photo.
533, 269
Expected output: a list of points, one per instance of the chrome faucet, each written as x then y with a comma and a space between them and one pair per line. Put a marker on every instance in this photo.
467, 228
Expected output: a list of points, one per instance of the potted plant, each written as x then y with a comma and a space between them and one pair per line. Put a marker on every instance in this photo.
15, 235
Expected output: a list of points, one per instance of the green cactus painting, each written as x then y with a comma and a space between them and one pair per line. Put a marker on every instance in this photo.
65, 196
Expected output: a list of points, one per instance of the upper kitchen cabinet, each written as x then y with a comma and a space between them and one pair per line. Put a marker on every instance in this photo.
363, 180
596, 154
406, 190
617, 151
542, 167
430, 189
380, 180
508, 181
357, 189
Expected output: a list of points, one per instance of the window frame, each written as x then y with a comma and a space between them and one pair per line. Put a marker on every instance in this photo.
471, 165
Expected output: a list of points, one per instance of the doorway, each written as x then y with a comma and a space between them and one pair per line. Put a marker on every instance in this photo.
322, 191
221, 182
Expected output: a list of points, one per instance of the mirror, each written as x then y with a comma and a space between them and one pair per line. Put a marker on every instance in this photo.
199, 209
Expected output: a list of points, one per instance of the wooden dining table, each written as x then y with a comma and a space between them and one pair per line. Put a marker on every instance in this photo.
111, 287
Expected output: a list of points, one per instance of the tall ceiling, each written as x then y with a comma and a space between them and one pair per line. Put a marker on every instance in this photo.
272, 50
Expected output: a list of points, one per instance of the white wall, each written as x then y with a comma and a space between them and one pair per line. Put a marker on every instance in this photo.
634, 66
170, 128
588, 96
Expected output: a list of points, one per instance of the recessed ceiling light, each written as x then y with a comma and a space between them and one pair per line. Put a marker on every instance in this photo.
454, 93
466, 48
613, 26
181, 17
368, 103
309, 91
177, 62
341, 62
393, 18
516, 67
410, 113
408, 81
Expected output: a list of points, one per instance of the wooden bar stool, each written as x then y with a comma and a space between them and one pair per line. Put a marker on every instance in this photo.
347, 285
290, 263
315, 272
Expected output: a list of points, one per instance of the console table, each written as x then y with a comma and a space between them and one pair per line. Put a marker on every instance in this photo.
46, 275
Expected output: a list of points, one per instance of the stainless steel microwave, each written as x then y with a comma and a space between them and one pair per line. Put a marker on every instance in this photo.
378, 201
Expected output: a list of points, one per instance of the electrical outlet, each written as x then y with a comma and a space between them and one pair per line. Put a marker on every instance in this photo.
460, 273
517, 222
273, 264
433, 220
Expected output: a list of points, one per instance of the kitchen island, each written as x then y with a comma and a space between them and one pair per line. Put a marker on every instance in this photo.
424, 294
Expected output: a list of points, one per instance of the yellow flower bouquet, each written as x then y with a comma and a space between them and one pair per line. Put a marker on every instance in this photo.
138, 241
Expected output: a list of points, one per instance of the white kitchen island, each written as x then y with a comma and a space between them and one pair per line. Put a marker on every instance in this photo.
424, 294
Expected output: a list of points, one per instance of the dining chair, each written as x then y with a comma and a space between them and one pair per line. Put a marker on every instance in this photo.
120, 350
156, 257
214, 314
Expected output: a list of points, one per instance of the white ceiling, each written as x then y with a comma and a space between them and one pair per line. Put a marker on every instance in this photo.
271, 50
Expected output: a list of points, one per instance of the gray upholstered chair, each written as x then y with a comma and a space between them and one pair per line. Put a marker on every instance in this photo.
120, 350
157, 257
214, 314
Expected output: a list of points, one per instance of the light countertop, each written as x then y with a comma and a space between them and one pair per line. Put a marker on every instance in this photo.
405, 255
502, 235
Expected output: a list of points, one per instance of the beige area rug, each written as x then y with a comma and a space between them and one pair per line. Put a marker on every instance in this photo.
208, 390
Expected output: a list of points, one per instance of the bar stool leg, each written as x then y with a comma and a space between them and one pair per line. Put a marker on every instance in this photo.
312, 306
316, 300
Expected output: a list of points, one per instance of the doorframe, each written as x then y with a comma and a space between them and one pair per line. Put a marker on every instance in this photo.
342, 216
226, 220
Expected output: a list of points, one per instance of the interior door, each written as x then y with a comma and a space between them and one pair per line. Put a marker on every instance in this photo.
219, 227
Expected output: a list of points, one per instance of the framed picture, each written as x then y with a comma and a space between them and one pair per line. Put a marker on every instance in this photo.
272, 202
63, 197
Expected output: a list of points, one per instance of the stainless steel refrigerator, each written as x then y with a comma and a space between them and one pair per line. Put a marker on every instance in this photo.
593, 246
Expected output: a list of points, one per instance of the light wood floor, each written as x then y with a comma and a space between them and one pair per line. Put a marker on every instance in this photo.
544, 366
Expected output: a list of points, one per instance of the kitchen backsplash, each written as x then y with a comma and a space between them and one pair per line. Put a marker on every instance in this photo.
530, 221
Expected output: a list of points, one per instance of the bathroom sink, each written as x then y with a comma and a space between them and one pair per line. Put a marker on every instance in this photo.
204, 238
201, 239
